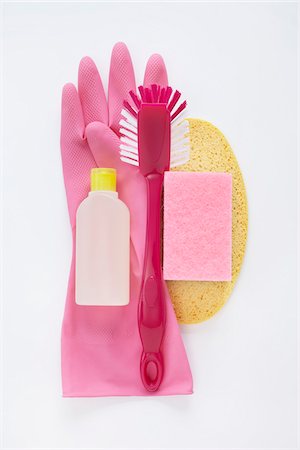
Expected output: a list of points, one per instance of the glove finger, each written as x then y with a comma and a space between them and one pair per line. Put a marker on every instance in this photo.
72, 121
156, 72
104, 145
91, 92
121, 81
77, 159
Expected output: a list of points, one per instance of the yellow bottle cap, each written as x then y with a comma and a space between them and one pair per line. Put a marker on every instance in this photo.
103, 179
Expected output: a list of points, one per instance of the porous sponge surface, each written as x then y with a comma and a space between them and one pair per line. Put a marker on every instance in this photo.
197, 301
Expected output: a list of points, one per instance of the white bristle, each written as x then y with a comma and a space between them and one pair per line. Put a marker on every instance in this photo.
175, 159
129, 144
180, 153
127, 148
177, 136
128, 141
129, 155
128, 133
132, 120
129, 161
128, 126
177, 124
180, 126
183, 140
180, 143
180, 118
179, 162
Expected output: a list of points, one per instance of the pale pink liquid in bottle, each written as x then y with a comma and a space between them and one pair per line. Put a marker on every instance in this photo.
102, 245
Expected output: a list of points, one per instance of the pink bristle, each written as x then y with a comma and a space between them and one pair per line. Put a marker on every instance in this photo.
162, 94
178, 110
163, 97
151, 95
158, 92
174, 100
130, 108
142, 92
154, 92
135, 99
148, 95
168, 94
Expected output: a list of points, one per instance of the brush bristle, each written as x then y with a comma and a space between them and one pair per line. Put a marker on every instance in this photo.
180, 144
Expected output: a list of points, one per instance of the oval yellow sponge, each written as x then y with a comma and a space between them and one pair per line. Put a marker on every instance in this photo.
196, 301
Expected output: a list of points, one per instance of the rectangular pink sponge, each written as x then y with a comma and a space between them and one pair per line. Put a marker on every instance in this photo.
197, 226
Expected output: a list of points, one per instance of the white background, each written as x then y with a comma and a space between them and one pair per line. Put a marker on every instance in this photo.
236, 64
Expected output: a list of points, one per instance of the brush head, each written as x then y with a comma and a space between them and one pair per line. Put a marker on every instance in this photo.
153, 138
153, 135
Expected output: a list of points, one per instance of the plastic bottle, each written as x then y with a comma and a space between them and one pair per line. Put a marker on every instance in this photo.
102, 244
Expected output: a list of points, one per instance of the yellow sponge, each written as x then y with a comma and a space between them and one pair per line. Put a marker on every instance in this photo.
196, 301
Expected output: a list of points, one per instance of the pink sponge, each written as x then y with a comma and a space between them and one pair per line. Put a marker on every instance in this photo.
197, 226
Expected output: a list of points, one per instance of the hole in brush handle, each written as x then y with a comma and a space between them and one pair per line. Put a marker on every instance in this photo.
152, 370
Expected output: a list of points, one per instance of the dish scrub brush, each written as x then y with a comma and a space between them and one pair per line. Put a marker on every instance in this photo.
154, 137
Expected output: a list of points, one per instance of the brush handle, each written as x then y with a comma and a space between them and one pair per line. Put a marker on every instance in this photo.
152, 309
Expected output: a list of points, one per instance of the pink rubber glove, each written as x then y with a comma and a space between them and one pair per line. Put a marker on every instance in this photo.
101, 346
